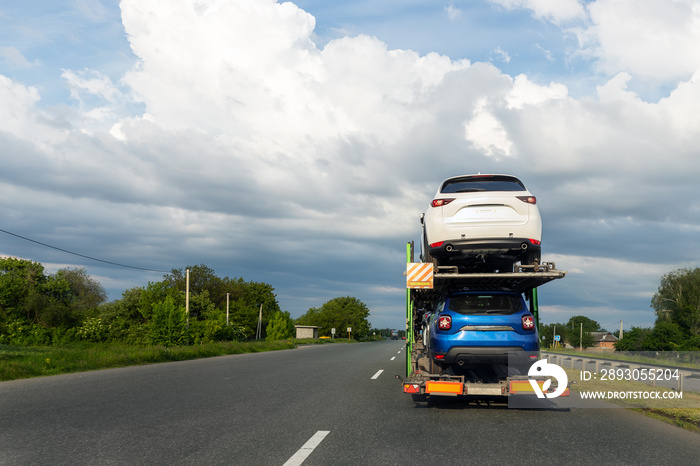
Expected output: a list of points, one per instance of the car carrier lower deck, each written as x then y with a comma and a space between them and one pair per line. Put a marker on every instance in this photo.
426, 282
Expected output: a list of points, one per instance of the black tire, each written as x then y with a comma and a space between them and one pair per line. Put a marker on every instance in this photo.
432, 365
425, 254
426, 257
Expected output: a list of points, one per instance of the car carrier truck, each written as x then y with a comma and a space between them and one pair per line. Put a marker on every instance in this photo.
426, 282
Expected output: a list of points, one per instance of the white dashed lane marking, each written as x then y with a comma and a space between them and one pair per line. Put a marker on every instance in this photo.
379, 372
308, 447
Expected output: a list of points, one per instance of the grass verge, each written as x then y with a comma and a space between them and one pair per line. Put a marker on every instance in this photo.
21, 362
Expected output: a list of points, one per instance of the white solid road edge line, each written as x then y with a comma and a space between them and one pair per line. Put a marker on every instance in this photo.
379, 372
308, 447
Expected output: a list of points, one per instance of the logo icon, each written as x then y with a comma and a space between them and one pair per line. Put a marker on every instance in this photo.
544, 369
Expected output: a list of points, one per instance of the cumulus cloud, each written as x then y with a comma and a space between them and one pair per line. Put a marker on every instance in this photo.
256, 146
228, 56
651, 39
257, 59
304, 123
660, 42
487, 133
18, 102
22, 120
525, 92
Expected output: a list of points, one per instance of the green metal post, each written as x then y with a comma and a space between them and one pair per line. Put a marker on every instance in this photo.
409, 315
535, 308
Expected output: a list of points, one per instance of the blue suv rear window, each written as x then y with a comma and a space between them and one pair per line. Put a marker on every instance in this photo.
476, 184
503, 304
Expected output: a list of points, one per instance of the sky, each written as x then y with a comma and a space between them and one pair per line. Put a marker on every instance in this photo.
297, 144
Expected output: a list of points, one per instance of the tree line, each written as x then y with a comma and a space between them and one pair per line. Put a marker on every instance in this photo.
677, 308
39, 308
577, 332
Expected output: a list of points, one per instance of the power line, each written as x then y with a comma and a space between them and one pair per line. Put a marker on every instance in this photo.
82, 255
608, 325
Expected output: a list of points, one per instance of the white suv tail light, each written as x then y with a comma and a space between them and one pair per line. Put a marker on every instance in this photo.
441, 202
528, 199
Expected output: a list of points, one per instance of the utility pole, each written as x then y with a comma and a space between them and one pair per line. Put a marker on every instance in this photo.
580, 339
620, 330
187, 297
227, 309
554, 336
258, 333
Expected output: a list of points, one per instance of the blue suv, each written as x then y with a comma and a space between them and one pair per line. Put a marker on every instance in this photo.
469, 329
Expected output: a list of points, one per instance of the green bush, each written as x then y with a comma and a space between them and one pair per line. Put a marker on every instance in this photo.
281, 326
213, 330
18, 332
93, 329
168, 325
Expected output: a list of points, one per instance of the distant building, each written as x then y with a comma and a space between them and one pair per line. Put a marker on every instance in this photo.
604, 341
306, 331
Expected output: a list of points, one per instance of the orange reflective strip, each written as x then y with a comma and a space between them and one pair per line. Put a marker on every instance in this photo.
444, 387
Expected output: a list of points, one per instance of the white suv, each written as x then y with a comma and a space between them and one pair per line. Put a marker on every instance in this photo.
484, 222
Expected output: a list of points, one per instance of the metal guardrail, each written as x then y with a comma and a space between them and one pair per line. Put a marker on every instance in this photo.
561, 359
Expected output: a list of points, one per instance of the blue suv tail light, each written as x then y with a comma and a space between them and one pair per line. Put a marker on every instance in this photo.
528, 322
445, 322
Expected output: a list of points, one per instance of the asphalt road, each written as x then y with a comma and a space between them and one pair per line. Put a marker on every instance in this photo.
320, 405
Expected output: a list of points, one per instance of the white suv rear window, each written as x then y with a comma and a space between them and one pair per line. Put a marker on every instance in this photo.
475, 184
